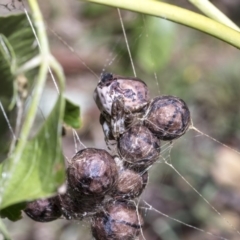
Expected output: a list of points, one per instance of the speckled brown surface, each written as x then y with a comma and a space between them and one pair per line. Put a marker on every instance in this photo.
120, 221
92, 172
168, 117
130, 184
139, 147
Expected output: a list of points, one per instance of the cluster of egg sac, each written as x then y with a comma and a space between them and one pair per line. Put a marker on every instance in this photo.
102, 186
137, 124
96, 189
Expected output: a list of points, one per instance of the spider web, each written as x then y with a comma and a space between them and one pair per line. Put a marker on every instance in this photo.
196, 213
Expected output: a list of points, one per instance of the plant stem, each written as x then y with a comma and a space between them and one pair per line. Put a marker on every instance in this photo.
4, 231
41, 78
58, 71
40, 27
179, 15
213, 12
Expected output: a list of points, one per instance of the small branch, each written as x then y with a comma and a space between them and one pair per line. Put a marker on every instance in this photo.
178, 15
213, 12
4, 231
40, 27
32, 63
42, 75
58, 71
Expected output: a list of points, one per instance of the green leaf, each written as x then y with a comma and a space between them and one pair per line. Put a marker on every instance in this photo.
20, 35
7, 62
72, 114
35, 168
39, 170
154, 50
13, 212
17, 46
179, 15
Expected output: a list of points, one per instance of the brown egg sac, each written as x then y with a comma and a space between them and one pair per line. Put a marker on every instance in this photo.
119, 221
139, 148
167, 117
92, 172
44, 210
132, 91
130, 184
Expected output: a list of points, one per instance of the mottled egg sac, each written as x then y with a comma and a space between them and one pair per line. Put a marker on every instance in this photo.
168, 117
139, 148
44, 210
119, 221
91, 172
132, 91
130, 184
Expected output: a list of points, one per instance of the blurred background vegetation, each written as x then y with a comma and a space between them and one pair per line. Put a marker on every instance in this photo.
172, 60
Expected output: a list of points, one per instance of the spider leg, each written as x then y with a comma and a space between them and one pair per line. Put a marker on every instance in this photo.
109, 139
118, 117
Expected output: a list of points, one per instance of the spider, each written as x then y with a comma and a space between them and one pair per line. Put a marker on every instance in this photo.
122, 101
